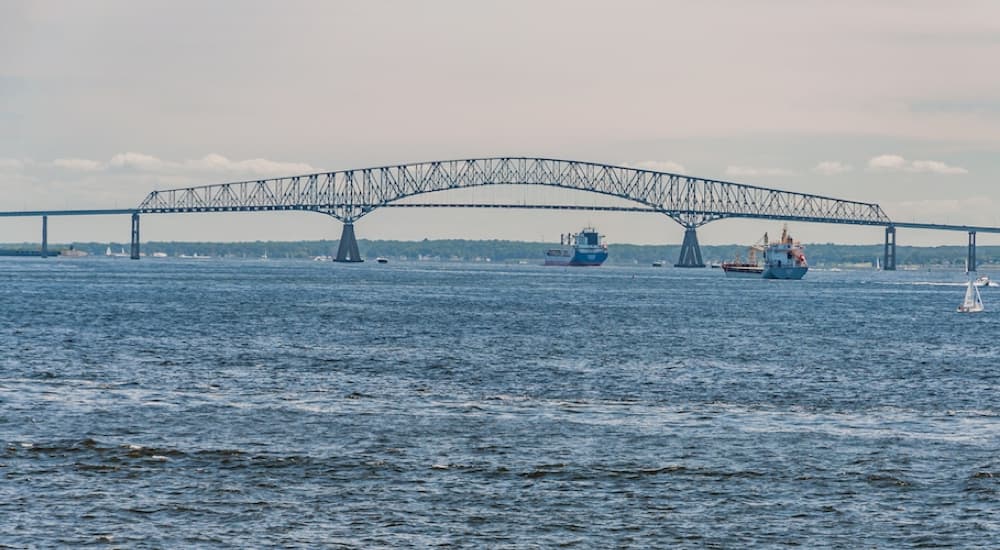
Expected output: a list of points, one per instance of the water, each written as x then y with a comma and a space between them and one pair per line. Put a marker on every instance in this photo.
171, 403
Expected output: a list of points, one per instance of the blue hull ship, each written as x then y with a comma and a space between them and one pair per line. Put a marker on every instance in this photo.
586, 248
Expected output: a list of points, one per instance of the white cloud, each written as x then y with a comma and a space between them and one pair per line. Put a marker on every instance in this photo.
744, 171
211, 163
936, 167
661, 166
217, 163
11, 164
832, 168
80, 165
137, 161
896, 163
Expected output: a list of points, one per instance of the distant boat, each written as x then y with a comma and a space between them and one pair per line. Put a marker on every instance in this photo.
111, 254
985, 281
72, 252
972, 303
382, 260
159, 254
878, 264
658, 263
264, 257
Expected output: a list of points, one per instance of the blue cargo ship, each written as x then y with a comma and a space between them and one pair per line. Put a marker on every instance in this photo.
586, 248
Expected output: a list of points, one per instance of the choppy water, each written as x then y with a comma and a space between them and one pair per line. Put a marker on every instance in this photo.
165, 403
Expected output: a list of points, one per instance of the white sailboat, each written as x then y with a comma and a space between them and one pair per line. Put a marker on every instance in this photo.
973, 303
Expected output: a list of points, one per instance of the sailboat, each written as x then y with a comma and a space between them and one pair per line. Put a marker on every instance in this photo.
878, 264
972, 303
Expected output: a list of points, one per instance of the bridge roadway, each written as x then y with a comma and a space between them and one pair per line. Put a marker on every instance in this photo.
351, 194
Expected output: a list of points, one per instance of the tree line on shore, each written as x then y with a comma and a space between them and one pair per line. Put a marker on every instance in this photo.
819, 255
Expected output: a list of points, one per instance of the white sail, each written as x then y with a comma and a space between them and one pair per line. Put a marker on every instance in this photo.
973, 302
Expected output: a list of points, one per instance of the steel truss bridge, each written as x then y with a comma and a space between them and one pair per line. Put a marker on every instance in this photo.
349, 195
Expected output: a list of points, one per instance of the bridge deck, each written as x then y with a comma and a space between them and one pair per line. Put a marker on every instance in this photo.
946, 227
36, 213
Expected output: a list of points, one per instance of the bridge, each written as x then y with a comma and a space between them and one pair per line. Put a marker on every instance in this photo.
349, 195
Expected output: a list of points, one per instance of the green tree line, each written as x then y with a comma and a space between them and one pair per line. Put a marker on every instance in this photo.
819, 255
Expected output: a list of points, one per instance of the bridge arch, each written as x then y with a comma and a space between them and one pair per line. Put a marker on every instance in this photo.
348, 195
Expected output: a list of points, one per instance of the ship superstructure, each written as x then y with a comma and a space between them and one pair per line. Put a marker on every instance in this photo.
586, 248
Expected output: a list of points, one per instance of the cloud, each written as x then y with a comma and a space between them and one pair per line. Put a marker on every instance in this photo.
896, 163
660, 166
217, 163
744, 171
11, 164
211, 163
79, 165
832, 168
137, 161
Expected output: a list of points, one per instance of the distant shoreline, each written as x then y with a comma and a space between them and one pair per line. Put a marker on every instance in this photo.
819, 255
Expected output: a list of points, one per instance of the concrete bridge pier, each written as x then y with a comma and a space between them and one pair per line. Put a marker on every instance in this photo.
348, 252
45, 236
134, 251
690, 251
970, 264
889, 256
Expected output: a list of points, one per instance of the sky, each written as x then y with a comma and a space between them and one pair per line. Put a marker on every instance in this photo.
896, 103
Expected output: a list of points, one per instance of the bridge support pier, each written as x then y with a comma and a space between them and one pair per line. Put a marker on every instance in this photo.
45, 236
970, 265
134, 251
889, 257
348, 250
690, 251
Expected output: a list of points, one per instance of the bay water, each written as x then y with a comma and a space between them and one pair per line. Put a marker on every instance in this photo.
235, 403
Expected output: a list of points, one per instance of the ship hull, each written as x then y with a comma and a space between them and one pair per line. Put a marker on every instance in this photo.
577, 258
759, 272
745, 272
788, 273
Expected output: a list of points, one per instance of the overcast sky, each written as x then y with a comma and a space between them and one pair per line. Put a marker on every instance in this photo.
889, 102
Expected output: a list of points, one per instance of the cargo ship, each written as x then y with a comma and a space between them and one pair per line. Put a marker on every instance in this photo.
586, 248
784, 259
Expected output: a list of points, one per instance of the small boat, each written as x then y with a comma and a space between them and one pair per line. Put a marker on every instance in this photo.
985, 281
972, 303
72, 252
658, 263
382, 260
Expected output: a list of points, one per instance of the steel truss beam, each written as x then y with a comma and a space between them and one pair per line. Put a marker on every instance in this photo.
350, 194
